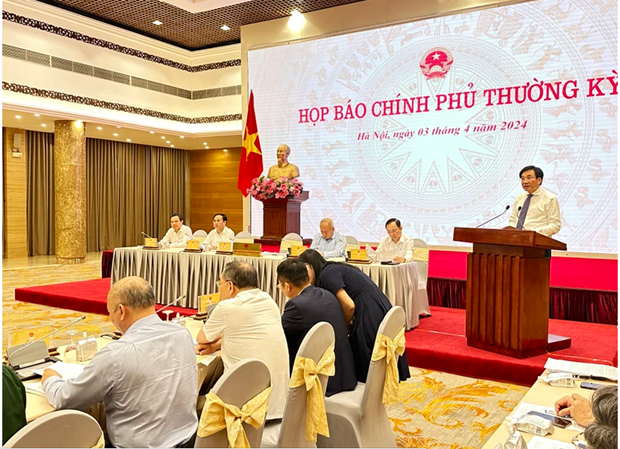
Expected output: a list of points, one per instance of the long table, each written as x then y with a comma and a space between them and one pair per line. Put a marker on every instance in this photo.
543, 394
173, 272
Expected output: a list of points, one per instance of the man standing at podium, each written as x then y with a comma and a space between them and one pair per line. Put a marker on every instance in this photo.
537, 209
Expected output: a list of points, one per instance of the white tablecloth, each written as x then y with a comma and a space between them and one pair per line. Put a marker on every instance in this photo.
173, 273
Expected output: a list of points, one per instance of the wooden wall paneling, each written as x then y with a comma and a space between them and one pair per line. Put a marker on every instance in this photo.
213, 188
15, 195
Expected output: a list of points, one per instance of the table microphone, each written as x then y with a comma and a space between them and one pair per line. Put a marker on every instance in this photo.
488, 221
9, 357
146, 235
172, 303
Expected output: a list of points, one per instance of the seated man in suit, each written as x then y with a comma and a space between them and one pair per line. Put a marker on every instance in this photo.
308, 306
147, 379
178, 234
328, 242
245, 324
220, 233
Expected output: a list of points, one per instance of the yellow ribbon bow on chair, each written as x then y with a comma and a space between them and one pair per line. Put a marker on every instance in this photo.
217, 415
388, 349
306, 371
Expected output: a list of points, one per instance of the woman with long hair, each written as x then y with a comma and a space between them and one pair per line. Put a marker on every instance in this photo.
361, 300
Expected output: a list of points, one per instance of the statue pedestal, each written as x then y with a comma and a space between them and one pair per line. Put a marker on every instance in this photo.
281, 217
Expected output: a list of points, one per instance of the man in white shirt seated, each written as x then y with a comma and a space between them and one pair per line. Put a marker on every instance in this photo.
220, 233
178, 234
147, 379
246, 325
328, 242
396, 243
537, 209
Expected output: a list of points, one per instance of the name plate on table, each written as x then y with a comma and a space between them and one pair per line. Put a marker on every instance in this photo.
358, 256
225, 248
247, 249
206, 300
150, 243
193, 246
295, 251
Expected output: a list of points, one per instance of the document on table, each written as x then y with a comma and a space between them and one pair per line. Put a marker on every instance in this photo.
35, 388
524, 408
207, 359
587, 369
546, 443
66, 370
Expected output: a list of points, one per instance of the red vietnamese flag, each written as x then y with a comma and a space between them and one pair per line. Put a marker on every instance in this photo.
251, 163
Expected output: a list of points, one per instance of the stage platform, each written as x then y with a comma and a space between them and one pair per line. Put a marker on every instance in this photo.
438, 343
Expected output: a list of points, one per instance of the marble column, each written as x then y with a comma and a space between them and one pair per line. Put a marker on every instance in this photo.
70, 189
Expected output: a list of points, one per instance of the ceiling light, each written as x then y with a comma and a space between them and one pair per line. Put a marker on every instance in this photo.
225, 27
295, 13
207, 147
118, 126
225, 151
115, 135
128, 140
99, 128
171, 146
167, 141
204, 143
182, 137
152, 132
163, 137
18, 116
37, 115
43, 124
157, 22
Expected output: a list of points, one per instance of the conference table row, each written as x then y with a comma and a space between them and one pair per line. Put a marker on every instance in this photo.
174, 272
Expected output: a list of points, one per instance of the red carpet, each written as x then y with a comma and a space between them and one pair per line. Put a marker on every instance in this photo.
84, 296
439, 343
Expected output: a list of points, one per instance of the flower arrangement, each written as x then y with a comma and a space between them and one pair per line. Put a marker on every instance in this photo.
264, 188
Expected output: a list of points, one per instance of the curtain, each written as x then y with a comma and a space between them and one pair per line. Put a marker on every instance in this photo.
40, 193
132, 189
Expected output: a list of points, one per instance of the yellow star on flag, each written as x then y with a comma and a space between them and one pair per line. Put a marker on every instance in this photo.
249, 145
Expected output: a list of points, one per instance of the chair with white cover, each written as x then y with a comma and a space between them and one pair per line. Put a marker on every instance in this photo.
294, 430
352, 243
242, 391
358, 418
290, 239
63, 428
420, 256
244, 237
200, 235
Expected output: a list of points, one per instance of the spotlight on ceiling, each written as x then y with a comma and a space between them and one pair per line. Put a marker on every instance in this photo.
225, 27
182, 137
128, 140
115, 135
18, 116
99, 128
157, 22
43, 125
37, 115
152, 132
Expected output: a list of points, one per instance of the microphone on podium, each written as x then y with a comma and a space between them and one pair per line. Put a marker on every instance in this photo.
11, 352
519, 220
488, 221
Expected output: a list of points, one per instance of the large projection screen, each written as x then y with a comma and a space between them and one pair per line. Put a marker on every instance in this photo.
431, 121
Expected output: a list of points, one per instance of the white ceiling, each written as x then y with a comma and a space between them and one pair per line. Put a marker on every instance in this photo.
160, 138
202, 5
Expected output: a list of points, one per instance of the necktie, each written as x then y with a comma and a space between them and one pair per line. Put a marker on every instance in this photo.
526, 206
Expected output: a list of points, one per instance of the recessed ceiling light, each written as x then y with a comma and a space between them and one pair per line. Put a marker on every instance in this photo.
207, 147
157, 22
99, 128
163, 137
225, 27
182, 137
128, 140
295, 13
18, 116
152, 132
167, 141
118, 126
37, 115
115, 135
171, 146
43, 124
204, 143
225, 151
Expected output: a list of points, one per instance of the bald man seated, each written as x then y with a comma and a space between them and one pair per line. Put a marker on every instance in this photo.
147, 379
329, 242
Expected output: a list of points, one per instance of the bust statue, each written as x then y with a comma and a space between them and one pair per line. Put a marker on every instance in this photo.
283, 169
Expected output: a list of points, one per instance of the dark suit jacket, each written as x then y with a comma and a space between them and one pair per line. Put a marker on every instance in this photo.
312, 306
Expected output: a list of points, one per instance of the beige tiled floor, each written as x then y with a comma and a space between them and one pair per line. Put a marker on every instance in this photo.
40, 261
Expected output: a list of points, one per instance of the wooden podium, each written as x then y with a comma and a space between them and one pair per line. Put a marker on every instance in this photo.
508, 291
280, 217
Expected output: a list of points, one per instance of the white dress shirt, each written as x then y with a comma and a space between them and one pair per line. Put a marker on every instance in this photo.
251, 328
177, 239
147, 381
543, 214
333, 247
214, 238
403, 248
